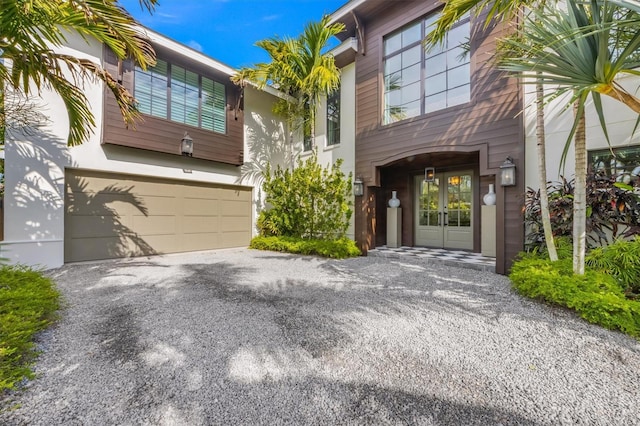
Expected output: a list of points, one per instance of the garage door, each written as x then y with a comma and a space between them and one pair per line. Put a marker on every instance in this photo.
111, 215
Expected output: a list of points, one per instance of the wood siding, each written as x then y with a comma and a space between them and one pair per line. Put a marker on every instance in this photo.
489, 125
163, 135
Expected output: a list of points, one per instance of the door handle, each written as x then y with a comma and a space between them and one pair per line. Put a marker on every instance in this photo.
439, 218
446, 219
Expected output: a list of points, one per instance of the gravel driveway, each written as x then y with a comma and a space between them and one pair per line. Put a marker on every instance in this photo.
249, 337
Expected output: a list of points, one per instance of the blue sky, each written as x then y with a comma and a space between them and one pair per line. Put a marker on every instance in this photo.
228, 29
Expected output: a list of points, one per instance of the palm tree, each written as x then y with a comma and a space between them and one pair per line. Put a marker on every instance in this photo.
300, 69
31, 32
505, 10
581, 52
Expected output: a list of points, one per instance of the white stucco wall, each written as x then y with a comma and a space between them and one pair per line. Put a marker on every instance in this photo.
35, 164
620, 122
328, 154
265, 142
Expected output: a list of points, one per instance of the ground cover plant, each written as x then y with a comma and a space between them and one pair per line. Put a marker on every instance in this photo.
337, 248
603, 295
28, 304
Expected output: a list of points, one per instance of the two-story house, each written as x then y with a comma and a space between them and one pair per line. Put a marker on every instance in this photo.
175, 183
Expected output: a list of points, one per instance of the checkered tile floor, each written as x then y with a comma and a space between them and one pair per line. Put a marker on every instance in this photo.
459, 258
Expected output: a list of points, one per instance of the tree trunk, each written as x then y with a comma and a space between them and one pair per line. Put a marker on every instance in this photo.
580, 195
623, 96
542, 173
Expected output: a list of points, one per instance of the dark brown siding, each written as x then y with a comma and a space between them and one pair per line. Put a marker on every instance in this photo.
489, 125
161, 135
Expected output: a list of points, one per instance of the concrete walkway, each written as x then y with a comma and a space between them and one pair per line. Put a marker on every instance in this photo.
248, 337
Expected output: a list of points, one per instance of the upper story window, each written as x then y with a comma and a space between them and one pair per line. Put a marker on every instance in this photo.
622, 163
175, 93
418, 82
333, 118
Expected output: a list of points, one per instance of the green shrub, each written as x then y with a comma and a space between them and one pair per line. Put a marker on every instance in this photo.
307, 202
28, 302
596, 296
337, 248
620, 260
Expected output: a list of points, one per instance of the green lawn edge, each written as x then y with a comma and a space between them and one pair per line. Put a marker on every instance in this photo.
29, 302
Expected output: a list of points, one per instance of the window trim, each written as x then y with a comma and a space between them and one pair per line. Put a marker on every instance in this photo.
169, 89
383, 57
334, 97
613, 152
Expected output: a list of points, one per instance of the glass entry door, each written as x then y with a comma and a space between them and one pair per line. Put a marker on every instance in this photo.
444, 211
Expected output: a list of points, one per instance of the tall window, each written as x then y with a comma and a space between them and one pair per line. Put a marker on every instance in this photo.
418, 82
195, 100
333, 118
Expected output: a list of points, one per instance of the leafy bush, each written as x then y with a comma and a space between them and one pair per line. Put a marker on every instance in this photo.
596, 296
28, 302
337, 248
307, 202
613, 210
564, 248
621, 260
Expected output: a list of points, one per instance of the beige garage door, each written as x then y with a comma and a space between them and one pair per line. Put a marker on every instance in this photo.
112, 215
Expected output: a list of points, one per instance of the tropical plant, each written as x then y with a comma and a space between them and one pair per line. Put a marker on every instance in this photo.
596, 295
613, 212
31, 33
338, 248
620, 260
301, 70
579, 51
308, 202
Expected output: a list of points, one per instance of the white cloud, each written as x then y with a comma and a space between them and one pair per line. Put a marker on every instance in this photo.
195, 45
270, 17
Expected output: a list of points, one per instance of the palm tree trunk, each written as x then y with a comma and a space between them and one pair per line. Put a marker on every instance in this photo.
3, 117
580, 195
623, 96
542, 173
312, 123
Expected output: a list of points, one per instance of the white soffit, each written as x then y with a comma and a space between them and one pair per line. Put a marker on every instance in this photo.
344, 10
174, 46
350, 43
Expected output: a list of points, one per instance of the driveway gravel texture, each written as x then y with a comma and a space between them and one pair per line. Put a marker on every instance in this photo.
250, 337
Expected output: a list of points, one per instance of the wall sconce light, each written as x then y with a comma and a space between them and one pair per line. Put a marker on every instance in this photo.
358, 187
508, 173
186, 145
429, 174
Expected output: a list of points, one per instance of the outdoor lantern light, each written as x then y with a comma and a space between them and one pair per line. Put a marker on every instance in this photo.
358, 187
429, 174
508, 173
186, 145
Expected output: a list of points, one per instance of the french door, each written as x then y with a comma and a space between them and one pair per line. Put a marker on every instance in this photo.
444, 211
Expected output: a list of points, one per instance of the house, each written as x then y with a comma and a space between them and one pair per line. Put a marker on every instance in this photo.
399, 111
436, 127
444, 114
131, 192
